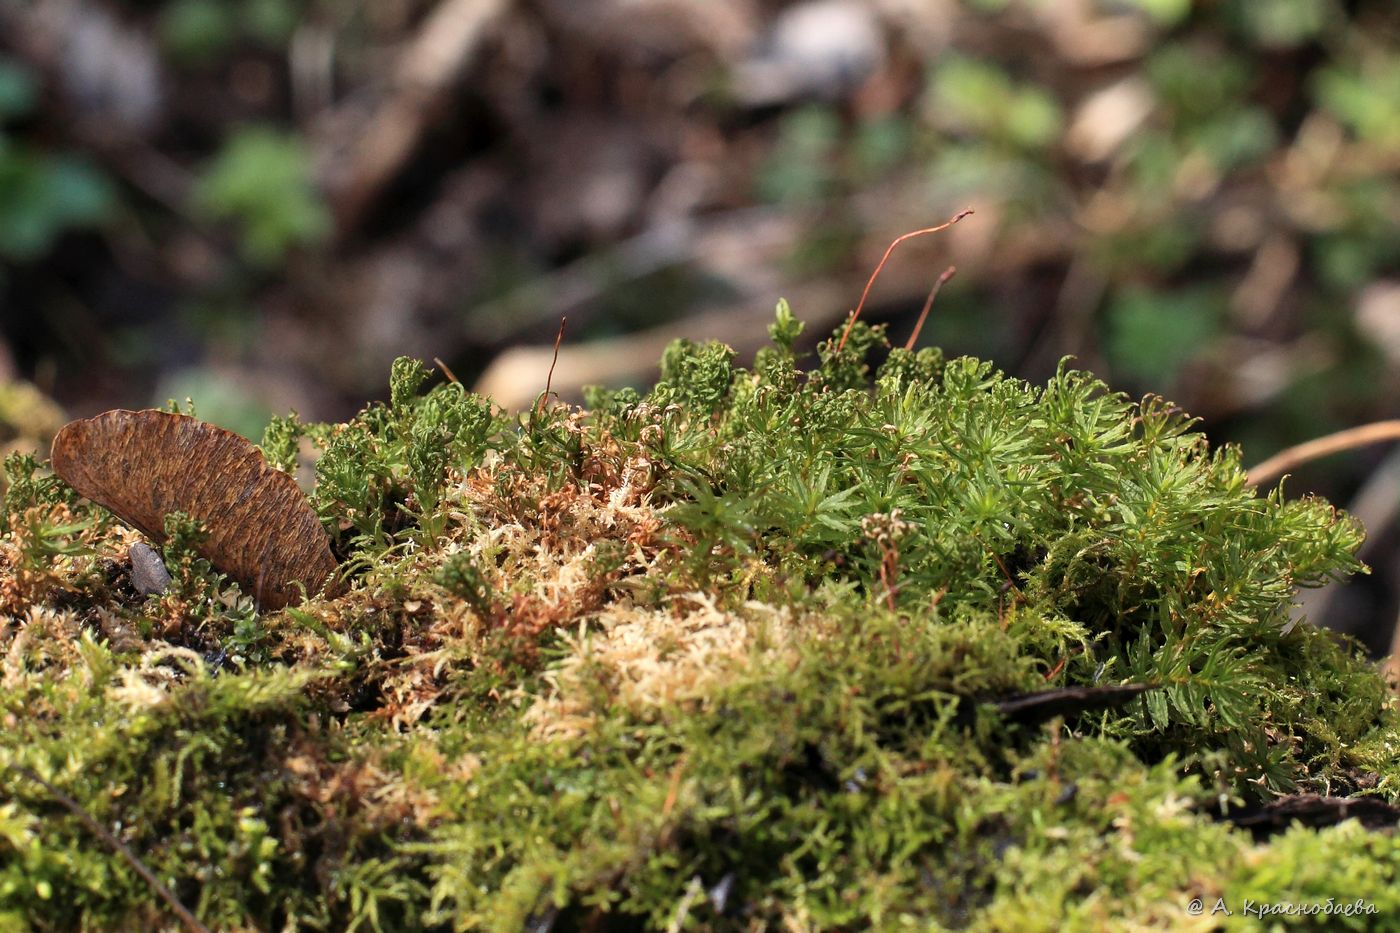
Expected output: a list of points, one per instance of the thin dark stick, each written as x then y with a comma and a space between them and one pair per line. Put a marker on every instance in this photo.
549, 379
183, 912
1004, 572
886, 258
948, 273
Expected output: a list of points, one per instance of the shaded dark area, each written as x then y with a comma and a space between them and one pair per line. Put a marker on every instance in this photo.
1314, 811
1067, 701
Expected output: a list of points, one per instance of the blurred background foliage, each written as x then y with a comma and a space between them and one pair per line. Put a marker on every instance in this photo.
260, 203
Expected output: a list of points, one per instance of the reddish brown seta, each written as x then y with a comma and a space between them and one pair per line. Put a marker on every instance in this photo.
549, 379
948, 273
886, 258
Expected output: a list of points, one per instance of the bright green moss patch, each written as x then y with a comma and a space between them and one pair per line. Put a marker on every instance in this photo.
724, 656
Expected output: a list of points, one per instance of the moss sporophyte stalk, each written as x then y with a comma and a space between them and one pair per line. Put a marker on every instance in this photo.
915, 646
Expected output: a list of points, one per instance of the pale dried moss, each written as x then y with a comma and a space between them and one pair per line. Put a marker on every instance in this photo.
147, 685
640, 660
552, 547
635, 658
541, 566
37, 555
40, 640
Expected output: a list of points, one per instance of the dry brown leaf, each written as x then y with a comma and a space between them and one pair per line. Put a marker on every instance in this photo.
143, 465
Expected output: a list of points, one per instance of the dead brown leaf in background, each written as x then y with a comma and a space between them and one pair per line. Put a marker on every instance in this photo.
143, 465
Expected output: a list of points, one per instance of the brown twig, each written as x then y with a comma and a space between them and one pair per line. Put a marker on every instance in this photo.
184, 913
549, 379
1010, 581
886, 258
948, 273
1285, 460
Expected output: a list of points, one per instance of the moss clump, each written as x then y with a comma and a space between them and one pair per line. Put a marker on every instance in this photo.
727, 655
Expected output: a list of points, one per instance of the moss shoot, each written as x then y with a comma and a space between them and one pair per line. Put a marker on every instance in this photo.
738, 653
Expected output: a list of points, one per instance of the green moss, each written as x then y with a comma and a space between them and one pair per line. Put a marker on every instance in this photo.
727, 655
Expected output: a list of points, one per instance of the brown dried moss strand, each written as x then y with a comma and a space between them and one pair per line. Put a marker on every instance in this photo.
143, 465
